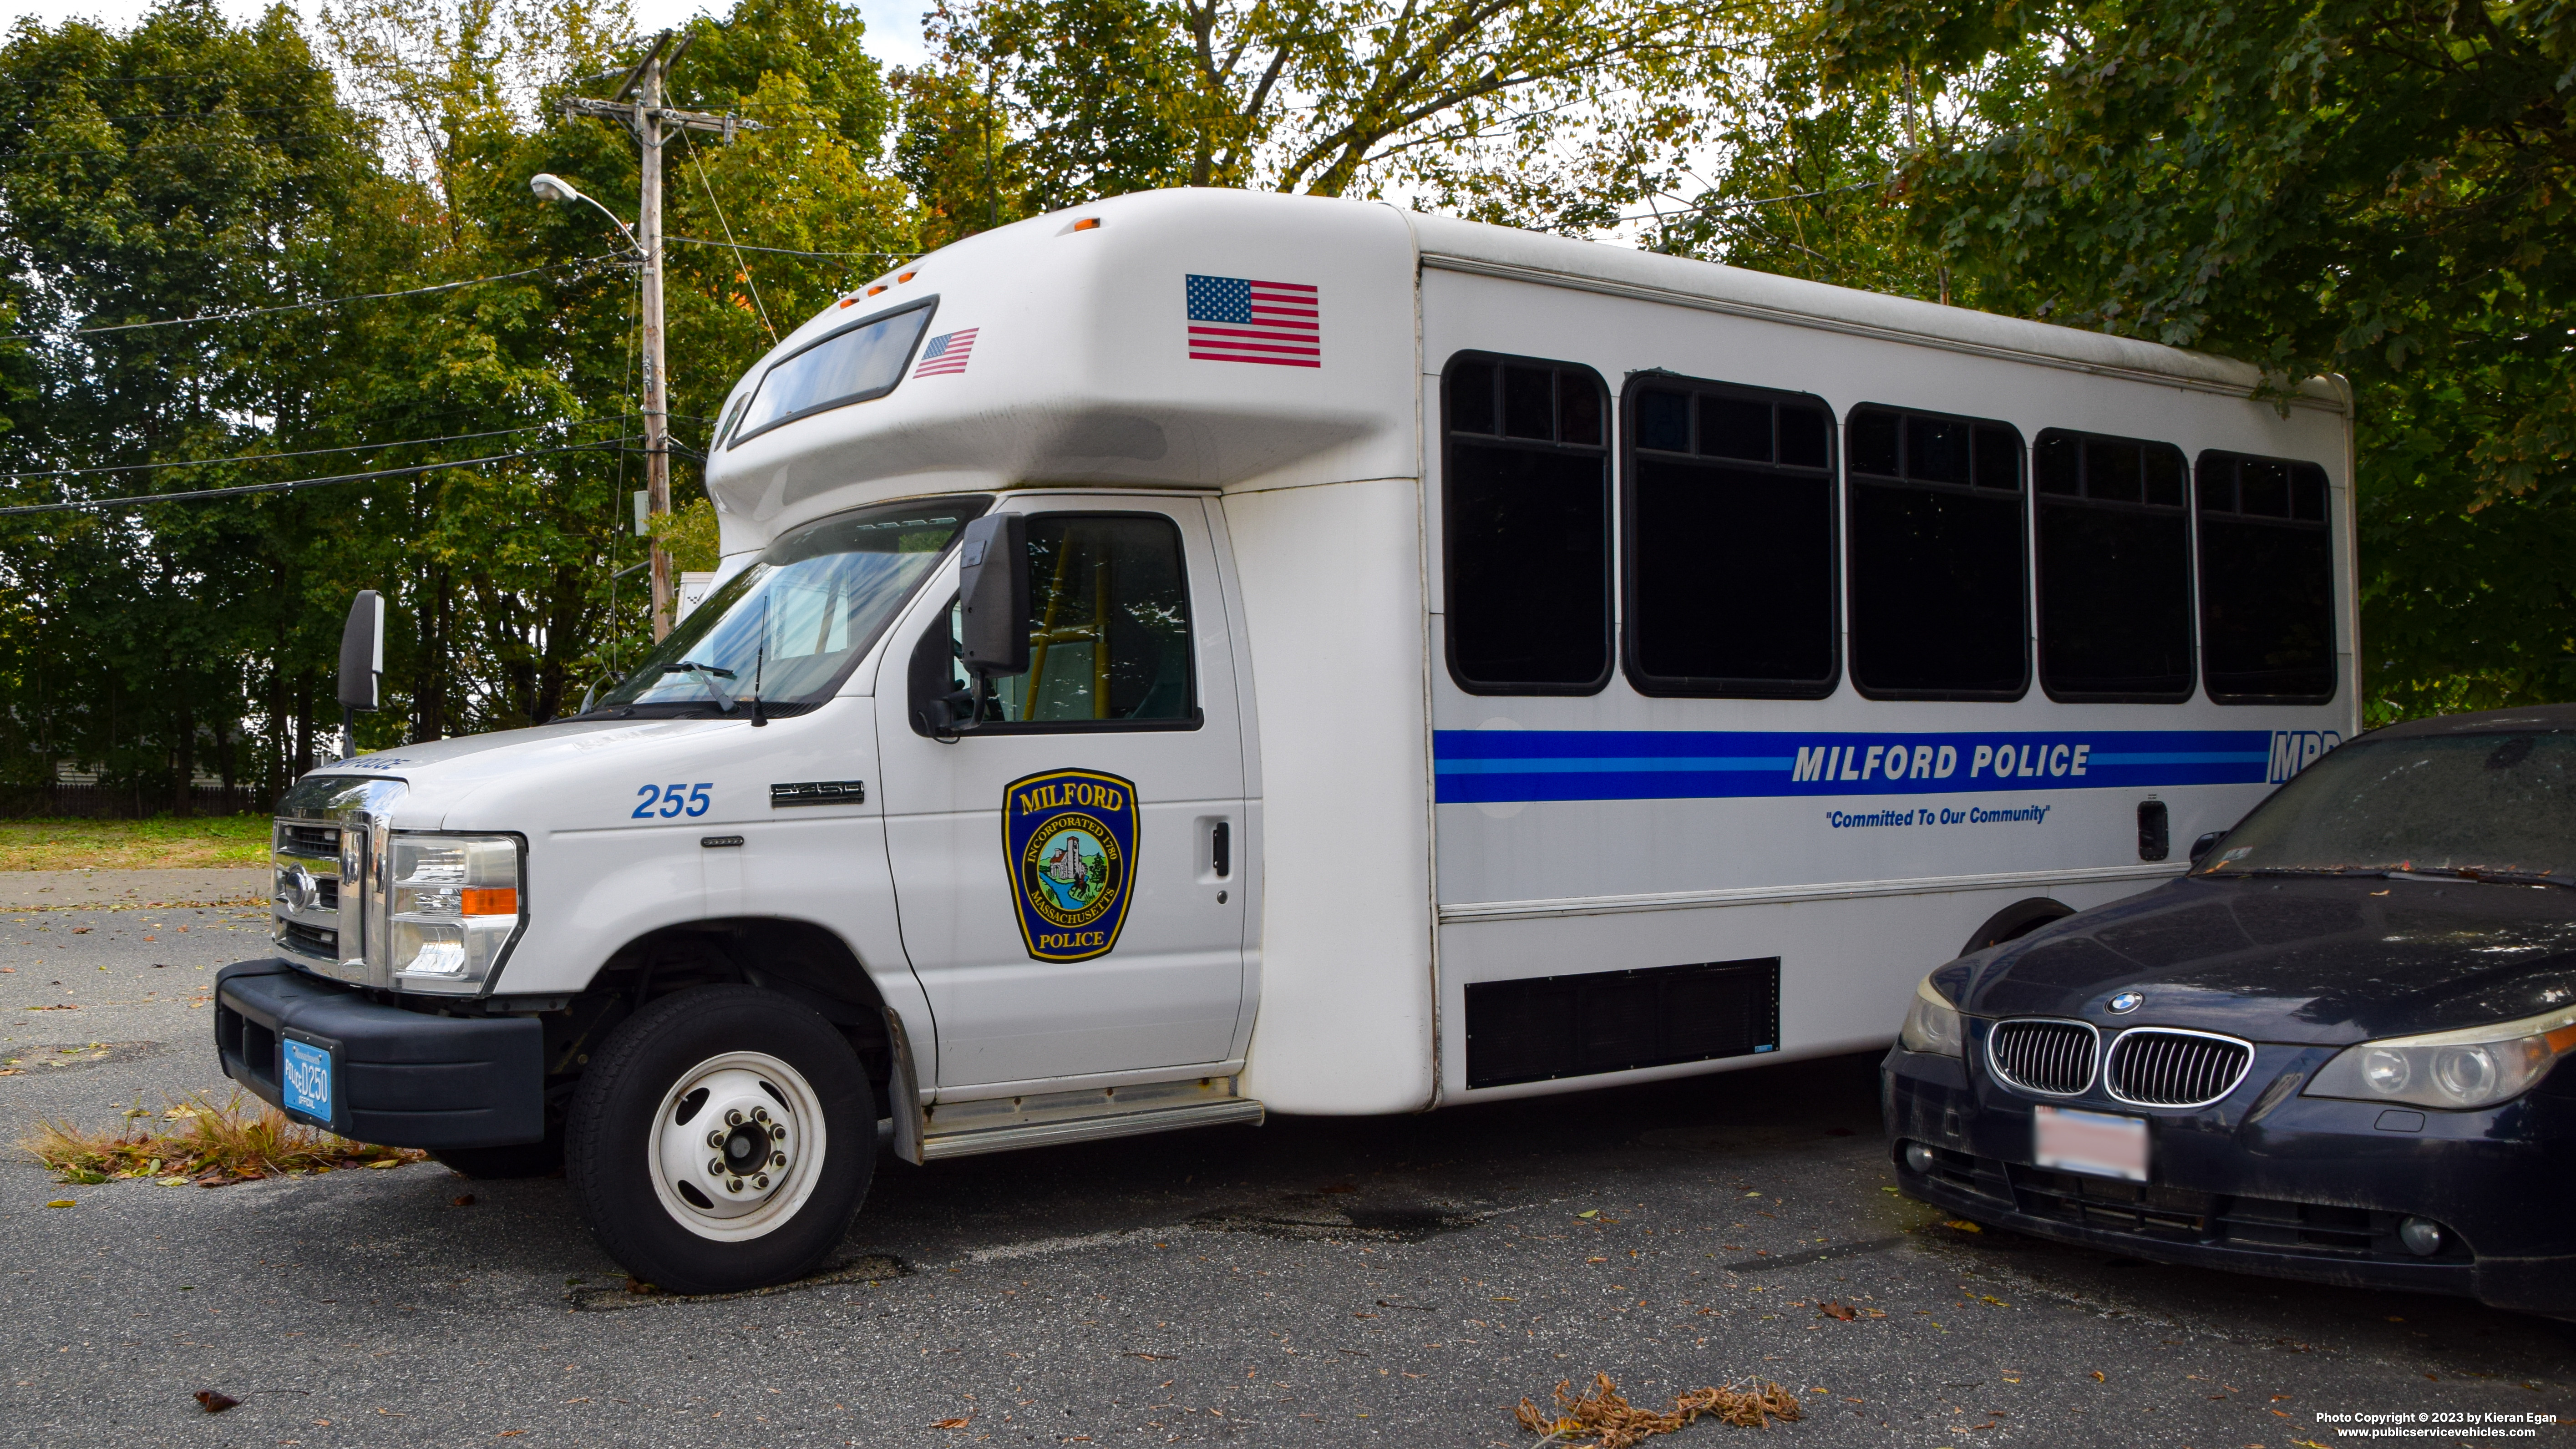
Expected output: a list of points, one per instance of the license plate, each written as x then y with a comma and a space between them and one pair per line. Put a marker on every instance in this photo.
306, 1072
2102, 1144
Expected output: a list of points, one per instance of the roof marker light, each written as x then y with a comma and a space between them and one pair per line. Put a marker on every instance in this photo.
879, 287
1088, 223
906, 276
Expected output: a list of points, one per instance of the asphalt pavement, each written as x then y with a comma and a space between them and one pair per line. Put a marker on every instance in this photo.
1312, 1281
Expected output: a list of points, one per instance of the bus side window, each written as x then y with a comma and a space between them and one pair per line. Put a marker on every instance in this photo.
2267, 610
1938, 604
1525, 517
2114, 568
1729, 541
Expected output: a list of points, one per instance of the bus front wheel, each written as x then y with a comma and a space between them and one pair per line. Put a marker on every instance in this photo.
721, 1140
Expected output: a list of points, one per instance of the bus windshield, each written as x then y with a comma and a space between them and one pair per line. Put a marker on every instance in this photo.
786, 630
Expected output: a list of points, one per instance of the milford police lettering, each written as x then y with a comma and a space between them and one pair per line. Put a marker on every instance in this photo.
1939, 762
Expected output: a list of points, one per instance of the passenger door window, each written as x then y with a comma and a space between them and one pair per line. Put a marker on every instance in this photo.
2267, 610
2114, 568
1525, 505
1939, 602
1730, 541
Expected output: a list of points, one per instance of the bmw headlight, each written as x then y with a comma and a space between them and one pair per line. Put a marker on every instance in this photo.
456, 906
2477, 1067
1931, 1023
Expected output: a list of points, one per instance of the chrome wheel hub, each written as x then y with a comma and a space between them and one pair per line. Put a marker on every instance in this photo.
736, 1144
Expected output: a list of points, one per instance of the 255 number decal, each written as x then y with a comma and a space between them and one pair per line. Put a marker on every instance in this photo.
672, 800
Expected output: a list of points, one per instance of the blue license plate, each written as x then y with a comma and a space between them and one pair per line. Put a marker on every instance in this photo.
305, 1071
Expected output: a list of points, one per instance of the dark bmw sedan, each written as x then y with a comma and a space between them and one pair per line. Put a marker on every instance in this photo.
2335, 1050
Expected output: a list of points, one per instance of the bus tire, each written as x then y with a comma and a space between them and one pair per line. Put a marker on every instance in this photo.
721, 1140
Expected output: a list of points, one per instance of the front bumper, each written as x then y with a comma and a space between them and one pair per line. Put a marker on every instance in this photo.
2269, 1182
405, 1079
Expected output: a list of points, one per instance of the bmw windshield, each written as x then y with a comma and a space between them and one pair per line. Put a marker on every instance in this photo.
787, 630
2490, 806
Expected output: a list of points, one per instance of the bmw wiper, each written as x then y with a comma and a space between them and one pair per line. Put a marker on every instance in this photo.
2476, 873
707, 675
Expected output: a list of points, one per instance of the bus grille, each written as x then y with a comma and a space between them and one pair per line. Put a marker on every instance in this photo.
2055, 1057
2153, 1067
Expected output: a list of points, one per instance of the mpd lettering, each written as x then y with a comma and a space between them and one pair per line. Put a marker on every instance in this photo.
2295, 750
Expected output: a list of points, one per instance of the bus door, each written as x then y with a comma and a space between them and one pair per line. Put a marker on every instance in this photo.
1064, 867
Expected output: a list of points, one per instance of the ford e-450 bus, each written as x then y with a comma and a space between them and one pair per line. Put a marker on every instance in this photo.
1209, 654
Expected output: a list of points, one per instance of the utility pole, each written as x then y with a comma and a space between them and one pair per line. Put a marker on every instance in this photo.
638, 103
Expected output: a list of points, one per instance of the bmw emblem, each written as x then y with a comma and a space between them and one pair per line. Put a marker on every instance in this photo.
2126, 1002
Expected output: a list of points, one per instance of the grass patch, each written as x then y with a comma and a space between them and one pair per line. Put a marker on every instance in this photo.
202, 1142
167, 842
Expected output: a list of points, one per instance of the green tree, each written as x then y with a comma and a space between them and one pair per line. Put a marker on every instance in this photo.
1453, 96
2378, 188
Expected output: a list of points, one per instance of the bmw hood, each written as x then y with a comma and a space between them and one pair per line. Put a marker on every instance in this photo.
2307, 959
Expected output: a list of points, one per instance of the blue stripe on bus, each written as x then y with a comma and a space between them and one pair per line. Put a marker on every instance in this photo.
1494, 766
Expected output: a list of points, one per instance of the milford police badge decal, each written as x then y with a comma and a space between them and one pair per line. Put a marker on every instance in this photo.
1071, 835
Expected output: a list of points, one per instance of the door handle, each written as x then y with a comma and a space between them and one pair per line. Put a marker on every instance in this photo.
1221, 852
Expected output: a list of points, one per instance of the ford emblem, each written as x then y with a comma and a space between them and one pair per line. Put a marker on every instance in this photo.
2126, 1002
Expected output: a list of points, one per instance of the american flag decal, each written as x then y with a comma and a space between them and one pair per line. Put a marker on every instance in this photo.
1234, 319
945, 353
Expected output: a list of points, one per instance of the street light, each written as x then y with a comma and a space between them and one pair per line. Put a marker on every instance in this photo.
550, 187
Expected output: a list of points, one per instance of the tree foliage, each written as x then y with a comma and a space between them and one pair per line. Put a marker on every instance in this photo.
2377, 188
190, 168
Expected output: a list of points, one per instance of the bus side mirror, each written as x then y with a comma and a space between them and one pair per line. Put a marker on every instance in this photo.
362, 650
993, 586
2206, 844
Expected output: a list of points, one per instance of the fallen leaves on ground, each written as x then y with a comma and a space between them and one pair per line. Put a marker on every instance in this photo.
1614, 1423
216, 1400
1963, 1225
1834, 1308
952, 1423
210, 1144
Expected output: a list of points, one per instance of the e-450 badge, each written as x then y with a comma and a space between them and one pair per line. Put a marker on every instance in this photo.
1071, 837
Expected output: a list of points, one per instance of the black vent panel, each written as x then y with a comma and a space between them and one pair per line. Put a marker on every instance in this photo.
1544, 1027
321, 840
2055, 1057
2154, 1068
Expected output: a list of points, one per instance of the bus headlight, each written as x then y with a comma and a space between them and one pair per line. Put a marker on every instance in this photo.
1931, 1023
2459, 1070
456, 907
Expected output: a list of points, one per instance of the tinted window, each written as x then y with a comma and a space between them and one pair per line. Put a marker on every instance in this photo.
858, 362
1110, 622
2266, 580
1730, 543
1526, 513
2114, 568
1937, 599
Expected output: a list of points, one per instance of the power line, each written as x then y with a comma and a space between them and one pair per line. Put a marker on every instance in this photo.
309, 452
782, 251
306, 306
133, 500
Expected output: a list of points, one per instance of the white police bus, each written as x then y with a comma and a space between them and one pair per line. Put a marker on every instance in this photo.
1213, 653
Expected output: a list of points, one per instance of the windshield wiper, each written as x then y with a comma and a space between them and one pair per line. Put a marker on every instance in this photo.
2382, 872
2479, 874
707, 675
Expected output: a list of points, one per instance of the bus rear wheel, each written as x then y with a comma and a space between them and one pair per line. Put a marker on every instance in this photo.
721, 1140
